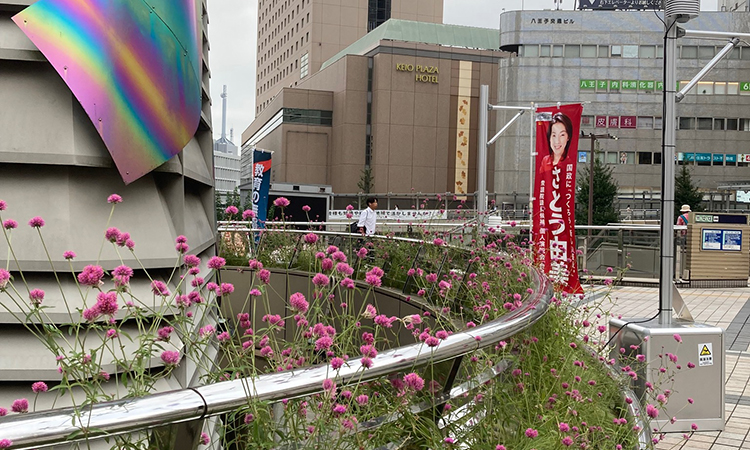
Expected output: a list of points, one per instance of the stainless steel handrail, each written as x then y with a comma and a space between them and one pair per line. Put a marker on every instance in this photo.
67, 425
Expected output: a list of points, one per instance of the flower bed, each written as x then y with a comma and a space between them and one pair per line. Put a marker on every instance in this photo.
340, 305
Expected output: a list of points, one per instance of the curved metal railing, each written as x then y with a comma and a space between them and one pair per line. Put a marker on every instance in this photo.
67, 425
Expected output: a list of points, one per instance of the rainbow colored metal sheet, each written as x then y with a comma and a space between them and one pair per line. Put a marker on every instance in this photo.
133, 65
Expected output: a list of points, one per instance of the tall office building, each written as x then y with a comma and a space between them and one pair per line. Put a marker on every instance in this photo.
295, 37
226, 156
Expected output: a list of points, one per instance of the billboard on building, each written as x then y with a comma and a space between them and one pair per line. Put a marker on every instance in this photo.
261, 186
620, 4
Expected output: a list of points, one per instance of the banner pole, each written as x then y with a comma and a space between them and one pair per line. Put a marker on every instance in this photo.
532, 167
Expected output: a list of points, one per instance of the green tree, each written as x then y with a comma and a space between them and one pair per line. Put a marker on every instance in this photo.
605, 192
366, 180
685, 192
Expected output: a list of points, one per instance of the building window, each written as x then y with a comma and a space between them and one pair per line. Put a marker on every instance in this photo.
657, 158
647, 51
308, 116
629, 51
705, 52
732, 124
689, 52
588, 51
645, 158
557, 51
645, 122
378, 11
604, 51
705, 123
572, 51
705, 88
616, 51
720, 88
686, 123
530, 51
657, 123
744, 124
718, 124
544, 51
303, 65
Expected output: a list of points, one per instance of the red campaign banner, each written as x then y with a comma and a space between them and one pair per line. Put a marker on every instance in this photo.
553, 227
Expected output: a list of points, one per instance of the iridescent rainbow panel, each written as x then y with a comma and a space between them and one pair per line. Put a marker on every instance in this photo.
133, 65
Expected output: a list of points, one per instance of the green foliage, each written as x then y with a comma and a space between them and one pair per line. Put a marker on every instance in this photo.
605, 193
685, 192
366, 180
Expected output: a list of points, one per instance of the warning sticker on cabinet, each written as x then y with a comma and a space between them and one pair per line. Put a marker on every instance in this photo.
705, 354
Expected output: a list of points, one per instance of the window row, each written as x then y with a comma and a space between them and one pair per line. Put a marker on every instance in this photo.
713, 123
625, 51
654, 158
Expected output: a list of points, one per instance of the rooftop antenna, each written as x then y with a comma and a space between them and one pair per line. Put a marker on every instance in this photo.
224, 113
231, 134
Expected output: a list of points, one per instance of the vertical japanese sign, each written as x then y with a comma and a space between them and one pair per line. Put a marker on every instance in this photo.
261, 186
553, 227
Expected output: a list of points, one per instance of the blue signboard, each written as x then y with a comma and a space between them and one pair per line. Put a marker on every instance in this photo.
723, 240
718, 158
731, 158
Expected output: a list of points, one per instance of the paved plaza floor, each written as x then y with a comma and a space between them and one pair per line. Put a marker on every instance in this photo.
725, 308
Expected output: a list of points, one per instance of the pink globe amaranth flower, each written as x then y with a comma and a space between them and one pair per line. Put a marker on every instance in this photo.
264, 275
164, 333
4, 278
366, 362
337, 363
438, 242
500, 447
339, 409
69, 255
531, 433
323, 343
170, 357
677, 338
226, 288
349, 207
281, 202
36, 296
191, 260
414, 381
306, 208
39, 386
10, 224
223, 336
5, 443
326, 264
564, 427
449, 440
344, 269
248, 214
231, 210
106, 303
249, 418
216, 262
121, 275
3, 412
3, 205
567, 441
431, 278
362, 252
114, 199
347, 283
373, 280
362, 399
370, 312
91, 276
255, 264
320, 280
158, 287
36, 222
652, 411
20, 406
130, 244
181, 247
207, 330
694, 427
91, 314
432, 341
112, 333
311, 238
298, 303
205, 440
112, 234
266, 352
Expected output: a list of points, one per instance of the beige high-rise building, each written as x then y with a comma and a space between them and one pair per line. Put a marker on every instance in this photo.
295, 37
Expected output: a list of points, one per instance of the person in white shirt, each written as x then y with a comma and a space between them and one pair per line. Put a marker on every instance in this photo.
368, 217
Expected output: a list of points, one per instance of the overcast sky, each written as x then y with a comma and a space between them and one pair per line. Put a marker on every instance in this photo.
232, 33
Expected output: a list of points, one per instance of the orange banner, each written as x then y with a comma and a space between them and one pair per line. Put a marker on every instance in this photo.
553, 225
